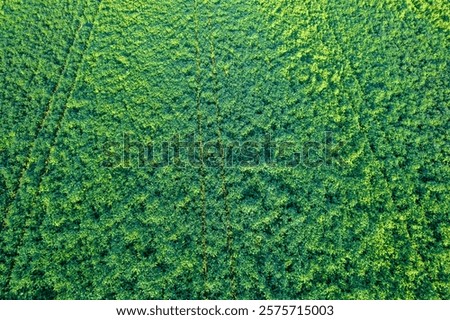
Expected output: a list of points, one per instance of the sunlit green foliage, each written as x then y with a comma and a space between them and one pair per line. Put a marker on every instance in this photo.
373, 223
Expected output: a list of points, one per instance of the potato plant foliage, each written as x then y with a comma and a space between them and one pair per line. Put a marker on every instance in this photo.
370, 220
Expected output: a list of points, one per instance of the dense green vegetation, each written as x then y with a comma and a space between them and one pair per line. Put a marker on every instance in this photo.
370, 222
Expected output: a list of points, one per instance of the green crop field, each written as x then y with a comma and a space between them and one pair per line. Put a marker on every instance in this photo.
225, 149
